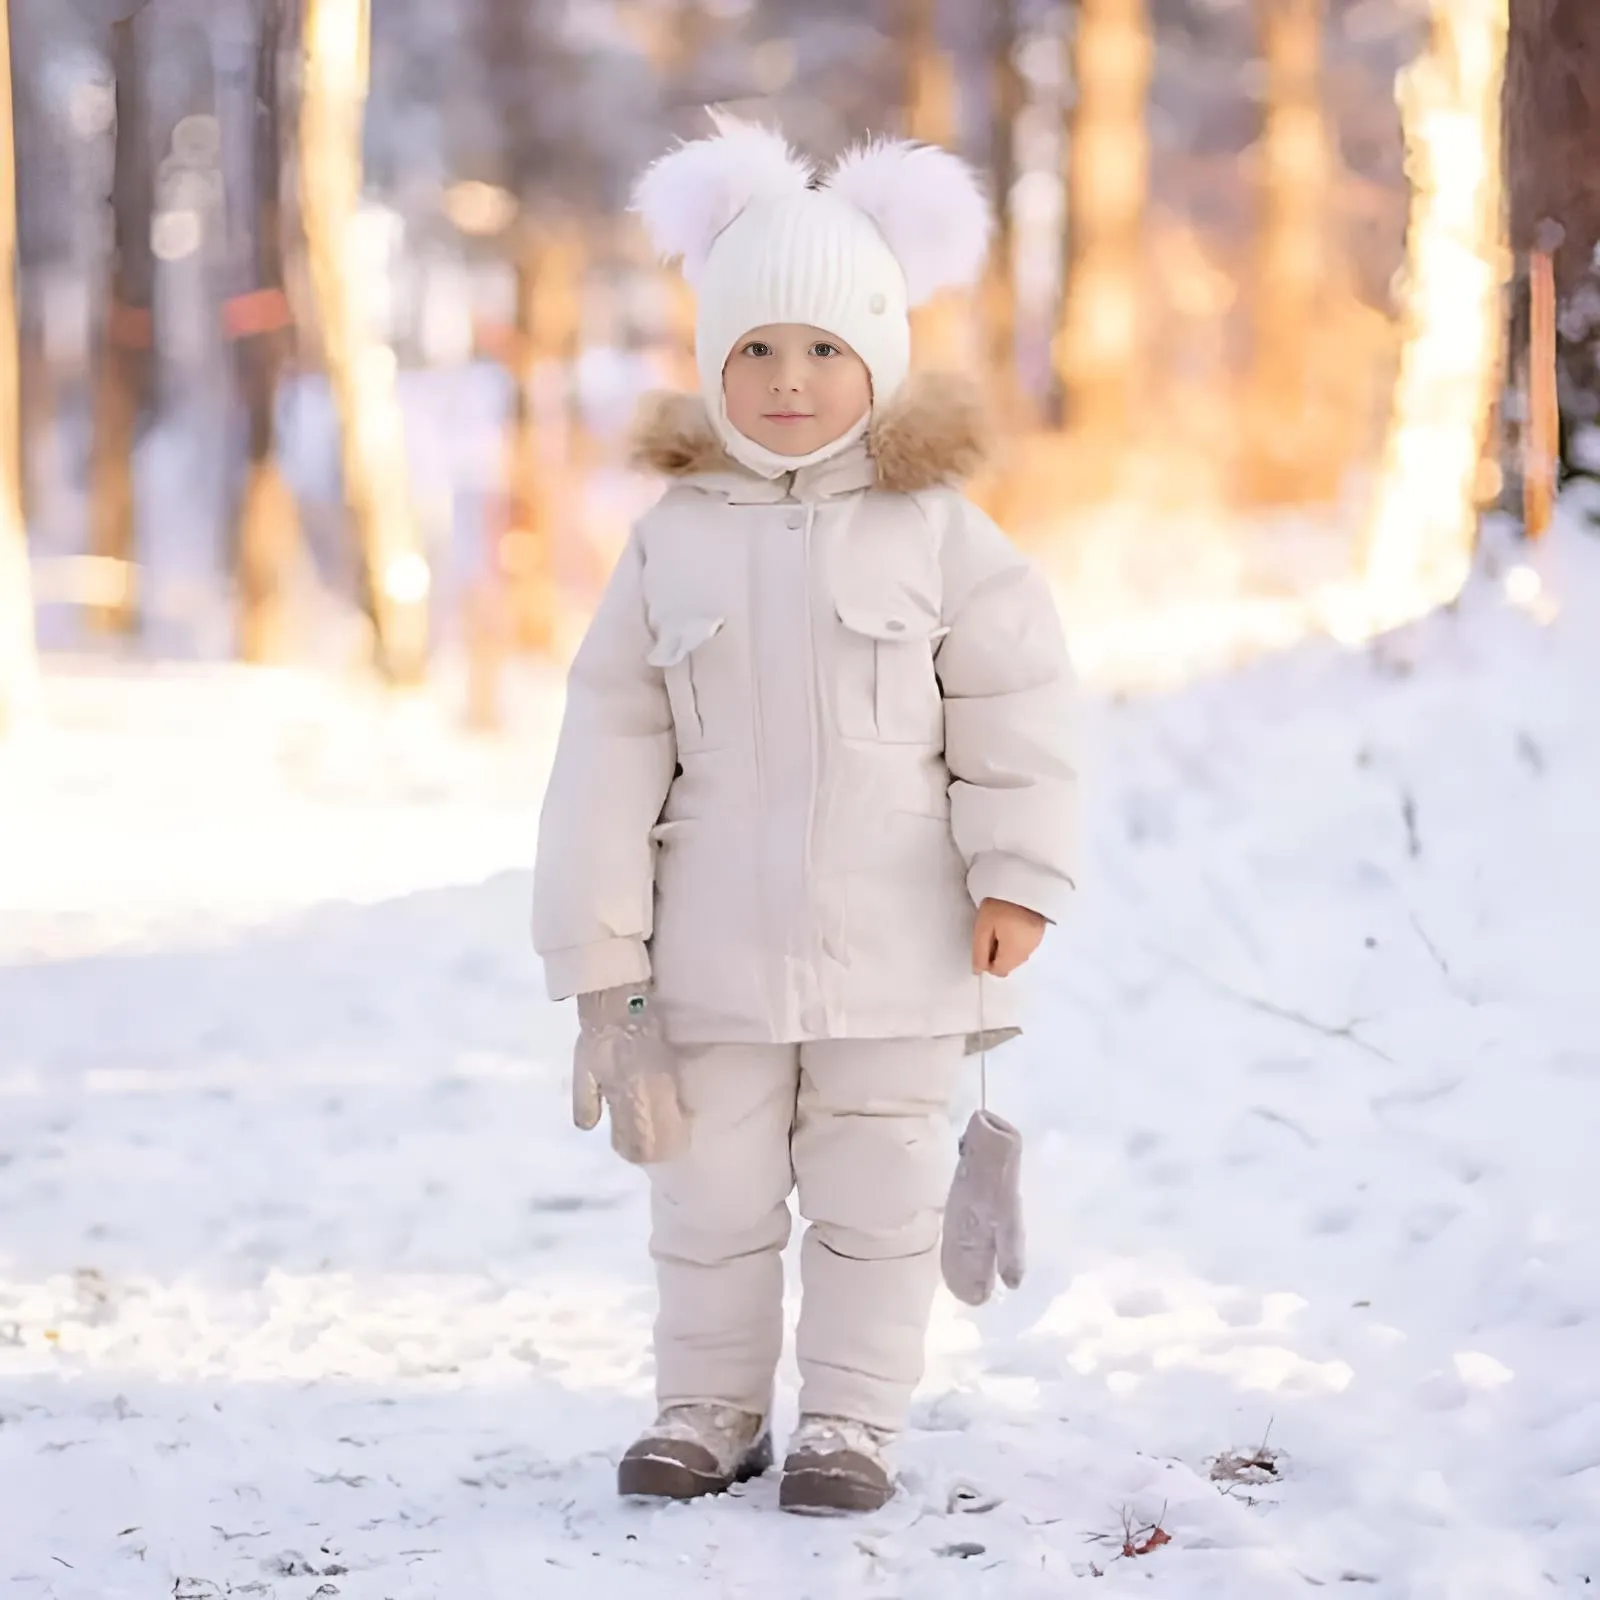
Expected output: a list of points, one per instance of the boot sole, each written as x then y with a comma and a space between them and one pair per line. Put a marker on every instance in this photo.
807, 1492
661, 1476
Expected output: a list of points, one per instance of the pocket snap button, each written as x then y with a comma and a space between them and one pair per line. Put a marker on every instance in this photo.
796, 520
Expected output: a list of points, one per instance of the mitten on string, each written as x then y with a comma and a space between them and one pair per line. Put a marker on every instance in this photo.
983, 1216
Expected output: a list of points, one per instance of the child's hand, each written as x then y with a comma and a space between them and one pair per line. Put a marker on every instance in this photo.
1004, 936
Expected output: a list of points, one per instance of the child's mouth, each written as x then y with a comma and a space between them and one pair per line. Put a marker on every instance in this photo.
789, 416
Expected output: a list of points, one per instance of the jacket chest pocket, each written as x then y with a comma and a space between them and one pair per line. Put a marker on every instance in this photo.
885, 685
680, 654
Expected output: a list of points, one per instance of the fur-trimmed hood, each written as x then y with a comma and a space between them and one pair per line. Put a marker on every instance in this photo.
933, 433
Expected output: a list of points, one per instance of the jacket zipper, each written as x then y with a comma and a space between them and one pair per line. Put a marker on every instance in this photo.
818, 941
763, 883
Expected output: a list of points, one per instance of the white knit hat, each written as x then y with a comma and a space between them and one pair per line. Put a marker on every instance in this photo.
764, 240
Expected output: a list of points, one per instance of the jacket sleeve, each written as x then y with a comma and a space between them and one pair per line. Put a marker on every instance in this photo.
594, 876
1010, 712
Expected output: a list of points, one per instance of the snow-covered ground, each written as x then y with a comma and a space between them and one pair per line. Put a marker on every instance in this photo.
307, 1288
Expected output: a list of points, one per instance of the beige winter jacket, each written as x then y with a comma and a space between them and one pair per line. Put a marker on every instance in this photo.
813, 724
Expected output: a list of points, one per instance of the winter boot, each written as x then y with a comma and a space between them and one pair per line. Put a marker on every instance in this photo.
835, 1466
695, 1450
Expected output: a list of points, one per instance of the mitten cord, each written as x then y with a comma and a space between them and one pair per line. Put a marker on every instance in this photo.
983, 1051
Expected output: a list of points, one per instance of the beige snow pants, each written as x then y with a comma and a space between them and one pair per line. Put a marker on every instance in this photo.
861, 1127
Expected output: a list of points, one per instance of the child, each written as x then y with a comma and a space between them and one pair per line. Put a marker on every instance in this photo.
815, 778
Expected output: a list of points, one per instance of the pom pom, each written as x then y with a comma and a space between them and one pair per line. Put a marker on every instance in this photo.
693, 192
927, 203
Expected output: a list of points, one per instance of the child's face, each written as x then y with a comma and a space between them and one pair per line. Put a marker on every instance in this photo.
793, 389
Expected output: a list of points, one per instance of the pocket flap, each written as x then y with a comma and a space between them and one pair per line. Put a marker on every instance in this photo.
898, 620
886, 580
678, 638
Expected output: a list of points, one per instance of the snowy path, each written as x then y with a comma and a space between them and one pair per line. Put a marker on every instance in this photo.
307, 1289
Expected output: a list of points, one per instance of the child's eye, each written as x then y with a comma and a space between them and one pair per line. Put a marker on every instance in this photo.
757, 348
824, 349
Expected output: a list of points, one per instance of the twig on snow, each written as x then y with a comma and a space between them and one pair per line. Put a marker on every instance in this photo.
1277, 1118
1345, 1032
1451, 982
1432, 949
1408, 814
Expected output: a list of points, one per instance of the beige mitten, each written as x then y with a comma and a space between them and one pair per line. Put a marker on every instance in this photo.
623, 1063
983, 1216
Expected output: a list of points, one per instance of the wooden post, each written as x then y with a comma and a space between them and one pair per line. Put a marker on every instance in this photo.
18, 657
1099, 343
1541, 441
125, 362
361, 370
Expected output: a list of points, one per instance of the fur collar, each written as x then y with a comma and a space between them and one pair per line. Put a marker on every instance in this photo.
933, 433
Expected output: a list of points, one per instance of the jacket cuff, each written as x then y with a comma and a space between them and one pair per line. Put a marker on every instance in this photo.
993, 876
585, 968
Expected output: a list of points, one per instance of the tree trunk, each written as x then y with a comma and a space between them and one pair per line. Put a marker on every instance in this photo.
1294, 454
1000, 289
546, 247
1552, 112
928, 103
361, 371
928, 90
688, 33
266, 534
18, 659
1098, 346
125, 367
1551, 104
549, 286
1421, 528
687, 29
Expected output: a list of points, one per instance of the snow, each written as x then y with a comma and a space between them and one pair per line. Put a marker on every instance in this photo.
307, 1288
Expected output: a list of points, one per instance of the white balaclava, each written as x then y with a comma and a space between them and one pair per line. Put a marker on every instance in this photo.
763, 240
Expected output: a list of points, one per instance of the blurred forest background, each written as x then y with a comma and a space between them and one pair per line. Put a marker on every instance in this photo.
330, 317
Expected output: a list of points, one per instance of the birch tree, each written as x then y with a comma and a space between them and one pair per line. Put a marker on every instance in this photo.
361, 370
1421, 528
